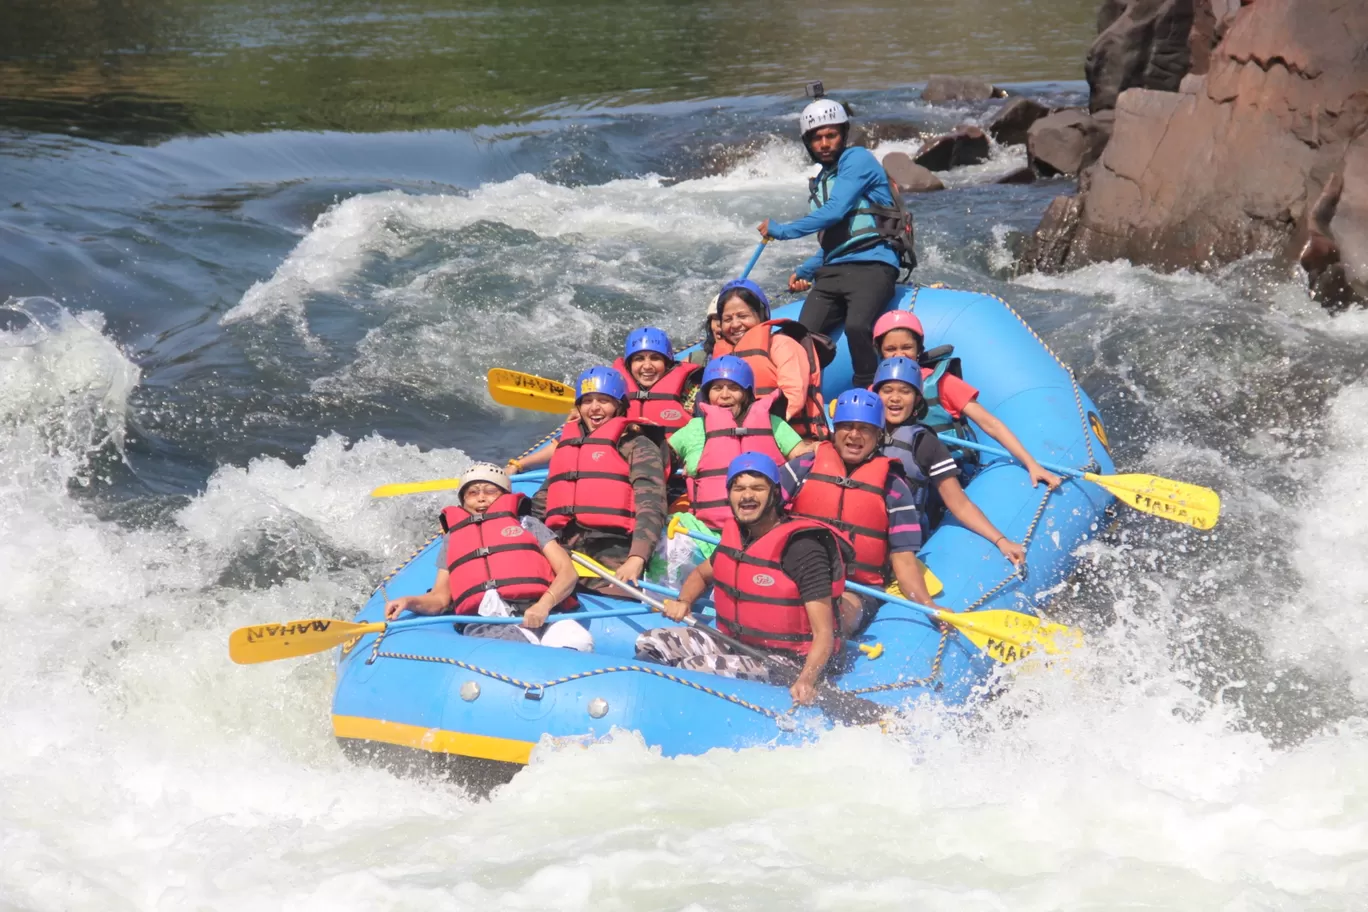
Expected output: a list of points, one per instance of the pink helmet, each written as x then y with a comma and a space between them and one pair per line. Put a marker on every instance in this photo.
899, 319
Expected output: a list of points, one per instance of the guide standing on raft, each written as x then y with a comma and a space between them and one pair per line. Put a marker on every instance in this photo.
856, 211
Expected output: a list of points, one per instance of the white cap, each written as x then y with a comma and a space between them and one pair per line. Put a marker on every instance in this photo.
712, 306
484, 471
822, 113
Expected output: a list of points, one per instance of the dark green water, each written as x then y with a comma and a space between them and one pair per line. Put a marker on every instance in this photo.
140, 69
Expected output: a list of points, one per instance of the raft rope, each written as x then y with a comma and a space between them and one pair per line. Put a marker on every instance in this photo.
1017, 573
534, 691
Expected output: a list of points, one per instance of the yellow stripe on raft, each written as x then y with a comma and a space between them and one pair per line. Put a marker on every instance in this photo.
435, 740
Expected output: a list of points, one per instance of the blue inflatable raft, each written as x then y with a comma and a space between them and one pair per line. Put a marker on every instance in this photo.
480, 706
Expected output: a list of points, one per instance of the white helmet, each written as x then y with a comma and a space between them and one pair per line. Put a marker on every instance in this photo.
484, 471
822, 113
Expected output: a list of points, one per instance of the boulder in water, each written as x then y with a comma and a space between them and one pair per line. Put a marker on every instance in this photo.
1010, 124
963, 145
1066, 142
910, 176
940, 89
1023, 175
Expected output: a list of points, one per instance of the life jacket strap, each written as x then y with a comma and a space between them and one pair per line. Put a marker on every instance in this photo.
495, 584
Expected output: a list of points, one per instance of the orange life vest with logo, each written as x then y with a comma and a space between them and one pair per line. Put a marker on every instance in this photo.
855, 503
754, 348
491, 550
757, 602
589, 480
662, 404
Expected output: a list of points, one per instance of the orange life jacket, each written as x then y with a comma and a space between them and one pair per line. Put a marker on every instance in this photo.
589, 481
491, 550
757, 602
724, 440
662, 404
754, 348
855, 503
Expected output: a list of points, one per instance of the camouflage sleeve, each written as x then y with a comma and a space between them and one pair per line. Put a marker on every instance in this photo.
539, 499
646, 470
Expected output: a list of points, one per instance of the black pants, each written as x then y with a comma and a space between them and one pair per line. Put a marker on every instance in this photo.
853, 293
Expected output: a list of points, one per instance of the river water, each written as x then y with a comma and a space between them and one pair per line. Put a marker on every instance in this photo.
259, 256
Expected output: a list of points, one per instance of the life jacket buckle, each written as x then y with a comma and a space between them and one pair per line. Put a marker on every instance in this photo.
489, 584
847, 482
482, 552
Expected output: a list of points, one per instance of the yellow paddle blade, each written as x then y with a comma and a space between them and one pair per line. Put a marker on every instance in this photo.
1010, 635
269, 642
1179, 501
588, 572
417, 487
527, 391
934, 586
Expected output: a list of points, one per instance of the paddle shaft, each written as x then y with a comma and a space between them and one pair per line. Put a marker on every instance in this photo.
657, 606
755, 258
397, 626
952, 440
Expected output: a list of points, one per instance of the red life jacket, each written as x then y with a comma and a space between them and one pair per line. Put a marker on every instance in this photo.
724, 440
754, 348
588, 480
491, 550
662, 404
854, 503
756, 601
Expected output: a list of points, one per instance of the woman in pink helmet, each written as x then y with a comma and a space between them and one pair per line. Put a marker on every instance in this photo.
951, 403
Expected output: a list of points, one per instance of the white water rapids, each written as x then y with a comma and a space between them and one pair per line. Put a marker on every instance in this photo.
141, 770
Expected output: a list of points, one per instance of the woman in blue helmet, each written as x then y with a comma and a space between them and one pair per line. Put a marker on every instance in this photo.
660, 389
782, 354
732, 420
926, 462
605, 491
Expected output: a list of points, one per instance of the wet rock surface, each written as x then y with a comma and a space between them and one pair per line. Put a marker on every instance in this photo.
1264, 152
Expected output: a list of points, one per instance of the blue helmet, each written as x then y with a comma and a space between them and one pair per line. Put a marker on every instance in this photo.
904, 369
859, 405
648, 339
744, 285
728, 367
757, 463
603, 380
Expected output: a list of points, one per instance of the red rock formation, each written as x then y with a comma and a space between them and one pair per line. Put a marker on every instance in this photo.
1232, 165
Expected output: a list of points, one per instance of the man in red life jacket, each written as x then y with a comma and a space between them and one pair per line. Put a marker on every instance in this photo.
865, 495
776, 580
498, 561
604, 492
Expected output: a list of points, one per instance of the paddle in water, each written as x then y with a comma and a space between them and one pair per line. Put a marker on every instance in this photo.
1178, 501
1007, 636
842, 707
